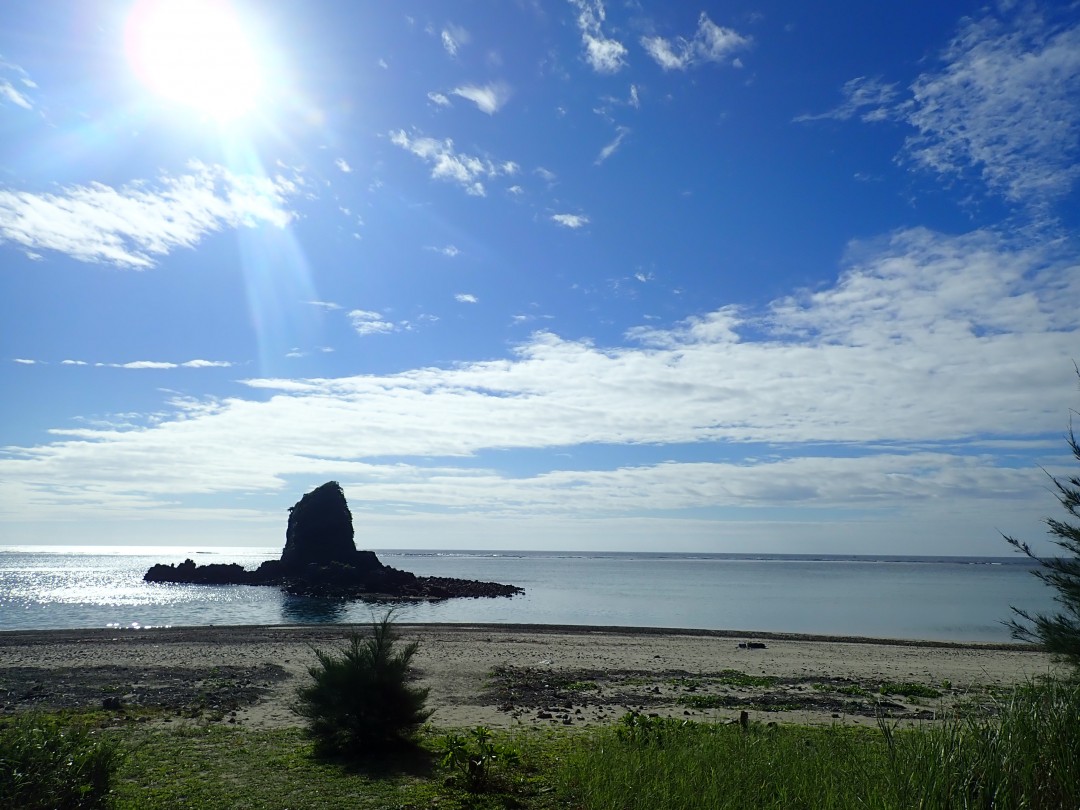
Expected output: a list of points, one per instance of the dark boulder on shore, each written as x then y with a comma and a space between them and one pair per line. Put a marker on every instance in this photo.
320, 558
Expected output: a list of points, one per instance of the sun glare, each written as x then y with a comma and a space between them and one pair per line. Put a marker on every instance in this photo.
196, 53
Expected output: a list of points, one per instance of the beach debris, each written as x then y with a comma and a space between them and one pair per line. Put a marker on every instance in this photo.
751, 645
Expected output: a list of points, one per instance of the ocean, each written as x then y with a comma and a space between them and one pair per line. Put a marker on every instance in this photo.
933, 598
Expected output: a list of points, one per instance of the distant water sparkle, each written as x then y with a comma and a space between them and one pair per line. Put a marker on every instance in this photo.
957, 599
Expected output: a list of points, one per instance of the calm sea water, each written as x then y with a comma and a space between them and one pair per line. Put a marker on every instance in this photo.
960, 599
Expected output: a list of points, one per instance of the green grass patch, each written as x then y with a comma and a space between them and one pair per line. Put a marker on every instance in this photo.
1022, 756
701, 702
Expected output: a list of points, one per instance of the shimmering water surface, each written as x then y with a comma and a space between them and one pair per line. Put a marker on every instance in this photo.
961, 599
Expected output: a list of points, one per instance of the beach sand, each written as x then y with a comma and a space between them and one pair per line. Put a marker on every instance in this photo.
505, 675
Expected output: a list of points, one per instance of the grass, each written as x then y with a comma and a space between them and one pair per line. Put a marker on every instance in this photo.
1022, 756
908, 689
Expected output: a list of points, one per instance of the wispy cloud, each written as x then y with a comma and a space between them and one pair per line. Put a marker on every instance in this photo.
604, 54
572, 221
450, 251
439, 99
13, 96
1006, 103
454, 37
465, 298
710, 43
489, 98
870, 98
9, 93
131, 226
343, 165
24, 361
611, 148
447, 164
329, 306
1003, 104
366, 322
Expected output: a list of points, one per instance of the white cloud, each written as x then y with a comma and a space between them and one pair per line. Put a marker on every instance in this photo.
1006, 104
73, 363
343, 165
453, 37
439, 99
131, 226
8, 92
572, 221
466, 171
489, 98
546, 175
329, 306
611, 148
634, 101
450, 251
465, 298
207, 364
24, 361
710, 43
515, 190
369, 323
140, 364
604, 55
908, 385
870, 98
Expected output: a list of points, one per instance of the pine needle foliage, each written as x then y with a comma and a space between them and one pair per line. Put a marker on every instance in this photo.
1058, 633
360, 700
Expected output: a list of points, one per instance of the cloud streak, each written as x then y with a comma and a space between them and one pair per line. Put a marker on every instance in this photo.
488, 98
131, 226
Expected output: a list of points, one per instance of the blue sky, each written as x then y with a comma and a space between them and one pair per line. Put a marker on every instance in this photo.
783, 277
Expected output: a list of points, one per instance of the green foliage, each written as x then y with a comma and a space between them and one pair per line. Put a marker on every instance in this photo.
1059, 633
475, 756
1028, 756
47, 765
360, 700
659, 763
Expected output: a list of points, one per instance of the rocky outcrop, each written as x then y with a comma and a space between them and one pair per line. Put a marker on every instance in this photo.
320, 529
320, 558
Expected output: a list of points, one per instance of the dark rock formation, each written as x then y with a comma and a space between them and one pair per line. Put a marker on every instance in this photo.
320, 559
320, 529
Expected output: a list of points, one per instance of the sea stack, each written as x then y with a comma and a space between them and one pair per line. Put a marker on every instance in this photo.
320, 530
320, 558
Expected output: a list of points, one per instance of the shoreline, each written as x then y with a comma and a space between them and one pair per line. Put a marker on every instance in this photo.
502, 675
319, 629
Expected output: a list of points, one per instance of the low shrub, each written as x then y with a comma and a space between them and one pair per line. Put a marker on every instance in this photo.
47, 765
476, 757
360, 699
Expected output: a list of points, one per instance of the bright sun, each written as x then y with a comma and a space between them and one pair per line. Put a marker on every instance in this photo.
196, 53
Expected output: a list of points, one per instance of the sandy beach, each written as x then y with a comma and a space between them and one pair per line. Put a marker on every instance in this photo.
504, 675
